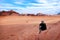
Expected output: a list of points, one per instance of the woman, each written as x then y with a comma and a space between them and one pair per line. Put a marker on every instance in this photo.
42, 26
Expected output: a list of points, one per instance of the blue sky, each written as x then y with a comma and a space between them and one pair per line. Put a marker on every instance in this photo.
31, 6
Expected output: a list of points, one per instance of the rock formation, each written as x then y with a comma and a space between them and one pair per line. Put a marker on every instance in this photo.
7, 13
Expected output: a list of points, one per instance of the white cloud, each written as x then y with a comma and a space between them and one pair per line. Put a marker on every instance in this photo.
49, 2
48, 5
6, 4
10, 7
43, 1
18, 2
42, 6
35, 8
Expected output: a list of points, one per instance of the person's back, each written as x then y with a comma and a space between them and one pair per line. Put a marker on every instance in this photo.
42, 26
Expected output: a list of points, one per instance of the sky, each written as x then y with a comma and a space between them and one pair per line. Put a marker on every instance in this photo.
31, 6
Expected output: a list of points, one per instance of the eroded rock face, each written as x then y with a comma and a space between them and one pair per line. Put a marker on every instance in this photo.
11, 12
6, 13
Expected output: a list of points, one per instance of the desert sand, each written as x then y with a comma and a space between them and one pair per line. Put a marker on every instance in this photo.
27, 28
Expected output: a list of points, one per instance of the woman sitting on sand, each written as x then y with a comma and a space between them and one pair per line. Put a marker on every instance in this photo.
42, 26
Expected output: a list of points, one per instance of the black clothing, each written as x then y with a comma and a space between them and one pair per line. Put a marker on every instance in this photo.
42, 26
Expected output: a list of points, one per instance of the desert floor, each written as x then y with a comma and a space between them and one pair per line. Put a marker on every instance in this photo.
27, 28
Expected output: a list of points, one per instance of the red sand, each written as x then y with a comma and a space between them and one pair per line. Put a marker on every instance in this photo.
26, 28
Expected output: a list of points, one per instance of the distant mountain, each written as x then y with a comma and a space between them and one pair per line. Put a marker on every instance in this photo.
58, 14
11, 13
6, 13
40, 14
